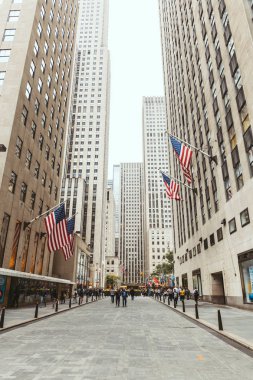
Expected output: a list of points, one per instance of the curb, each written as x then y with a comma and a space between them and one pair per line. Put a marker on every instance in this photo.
231, 337
34, 320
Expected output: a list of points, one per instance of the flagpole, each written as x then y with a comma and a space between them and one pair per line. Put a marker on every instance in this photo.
72, 216
212, 158
39, 216
194, 189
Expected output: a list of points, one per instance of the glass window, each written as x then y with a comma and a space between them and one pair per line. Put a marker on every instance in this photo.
5, 55
32, 69
9, 34
28, 159
246, 269
13, 16
28, 90
244, 216
232, 226
12, 182
2, 76
19, 144
23, 192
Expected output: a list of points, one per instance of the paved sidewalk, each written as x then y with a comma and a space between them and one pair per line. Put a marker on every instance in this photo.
236, 322
15, 316
144, 341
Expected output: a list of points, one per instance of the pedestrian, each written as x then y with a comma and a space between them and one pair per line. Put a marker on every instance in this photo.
164, 295
196, 294
170, 294
117, 297
124, 297
132, 294
182, 294
187, 293
175, 294
16, 297
112, 294
81, 294
43, 297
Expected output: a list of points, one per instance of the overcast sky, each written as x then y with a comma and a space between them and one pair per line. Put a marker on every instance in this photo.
136, 71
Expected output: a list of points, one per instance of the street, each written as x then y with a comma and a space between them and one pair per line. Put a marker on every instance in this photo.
143, 341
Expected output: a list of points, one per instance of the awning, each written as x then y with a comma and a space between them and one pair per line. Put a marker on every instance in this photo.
31, 276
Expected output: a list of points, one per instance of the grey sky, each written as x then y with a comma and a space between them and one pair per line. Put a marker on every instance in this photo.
136, 71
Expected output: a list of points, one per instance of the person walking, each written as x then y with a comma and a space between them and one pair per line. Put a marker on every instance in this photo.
196, 294
182, 294
132, 294
112, 294
124, 297
170, 294
175, 294
187, 293
117, 297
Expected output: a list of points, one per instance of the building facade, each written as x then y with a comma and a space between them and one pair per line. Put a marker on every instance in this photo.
37, 41
116, 193
158, 223
132, 259
207, 59
87, 148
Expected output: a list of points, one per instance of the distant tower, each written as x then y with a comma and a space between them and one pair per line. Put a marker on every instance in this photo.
158, 223
131, 223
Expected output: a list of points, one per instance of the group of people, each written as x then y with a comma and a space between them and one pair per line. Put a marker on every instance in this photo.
176, 293
118, 293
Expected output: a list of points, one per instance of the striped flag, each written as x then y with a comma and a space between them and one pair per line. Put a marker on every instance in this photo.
68, 250
184, 155
172, 188
57, 236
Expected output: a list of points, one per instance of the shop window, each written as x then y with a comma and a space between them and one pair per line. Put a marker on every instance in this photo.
246, 271
244, 217
232, 226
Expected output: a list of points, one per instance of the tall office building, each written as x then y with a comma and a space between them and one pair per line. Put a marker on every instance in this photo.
131, 223
158, 225
116, 193
87, 150
37, 41
208, 58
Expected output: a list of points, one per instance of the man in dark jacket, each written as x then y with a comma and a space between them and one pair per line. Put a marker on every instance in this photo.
117, 296
124, 297
132, 294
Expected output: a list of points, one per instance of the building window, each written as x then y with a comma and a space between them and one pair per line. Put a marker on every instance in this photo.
2, 76
32, 200
205, 244
23, 192
28, 90
219, 234
9, 34
36, 169
24, 115
13, 16
5, 55
244, 216
212, 240
232, 226
12, 182
28, 159
19, 144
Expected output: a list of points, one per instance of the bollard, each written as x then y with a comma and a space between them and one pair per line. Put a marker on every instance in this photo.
36, 310
70, 303
168, 301
220, 321
196, 311
79, 301
175, 304
183, 305
2, 318
56, 306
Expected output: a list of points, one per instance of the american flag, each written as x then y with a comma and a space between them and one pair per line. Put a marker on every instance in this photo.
172, 188
57, 236
184, 155
68, 250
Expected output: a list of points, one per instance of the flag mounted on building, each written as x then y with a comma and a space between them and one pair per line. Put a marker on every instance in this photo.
57, 236
68, 249
184, 155
172, 188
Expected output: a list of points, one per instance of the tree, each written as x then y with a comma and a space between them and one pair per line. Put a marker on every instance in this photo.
167, 267
111, 280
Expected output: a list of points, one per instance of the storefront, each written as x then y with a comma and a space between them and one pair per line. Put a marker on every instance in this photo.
184, 280
246, 270
21, 288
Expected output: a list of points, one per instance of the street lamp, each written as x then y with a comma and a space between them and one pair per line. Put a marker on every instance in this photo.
2, 148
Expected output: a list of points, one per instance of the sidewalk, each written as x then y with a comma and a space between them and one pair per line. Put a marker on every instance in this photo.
21, 315
237, 323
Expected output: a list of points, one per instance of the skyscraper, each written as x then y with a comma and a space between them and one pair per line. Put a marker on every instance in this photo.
116, 193
87, 150
131, 223
37, 41
158, 224
207, 55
